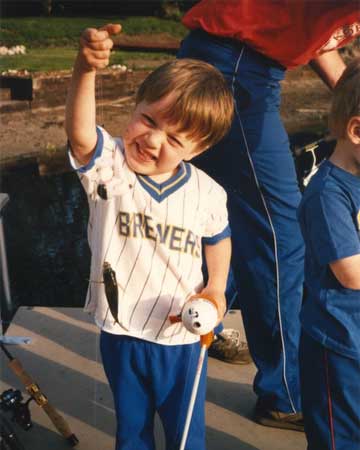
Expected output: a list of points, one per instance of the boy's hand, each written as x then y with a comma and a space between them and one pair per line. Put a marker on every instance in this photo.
219, 297
95, 47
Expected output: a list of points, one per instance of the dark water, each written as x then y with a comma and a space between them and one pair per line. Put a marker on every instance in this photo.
45, 229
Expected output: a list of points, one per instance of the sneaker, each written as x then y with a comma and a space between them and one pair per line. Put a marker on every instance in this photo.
278, 419
228, 347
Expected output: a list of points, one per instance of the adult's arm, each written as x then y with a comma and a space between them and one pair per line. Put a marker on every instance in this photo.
329, 66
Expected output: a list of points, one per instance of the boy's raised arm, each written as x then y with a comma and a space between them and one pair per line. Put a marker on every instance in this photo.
80, 117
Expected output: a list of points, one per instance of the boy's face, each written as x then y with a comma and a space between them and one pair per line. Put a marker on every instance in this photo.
152, 146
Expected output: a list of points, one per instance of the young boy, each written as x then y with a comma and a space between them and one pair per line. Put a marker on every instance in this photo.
149, 213
329, 215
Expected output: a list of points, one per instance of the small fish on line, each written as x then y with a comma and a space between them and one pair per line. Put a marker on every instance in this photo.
111, 290
102, 192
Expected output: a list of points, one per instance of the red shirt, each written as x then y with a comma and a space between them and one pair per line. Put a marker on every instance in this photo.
291, 32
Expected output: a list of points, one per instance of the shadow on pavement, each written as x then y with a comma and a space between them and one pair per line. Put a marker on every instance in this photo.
217, 440
233, 396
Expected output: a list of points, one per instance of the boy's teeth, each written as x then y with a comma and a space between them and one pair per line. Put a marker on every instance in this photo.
146, 154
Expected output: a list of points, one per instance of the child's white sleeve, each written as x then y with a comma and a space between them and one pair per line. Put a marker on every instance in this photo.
217, 224
102, 177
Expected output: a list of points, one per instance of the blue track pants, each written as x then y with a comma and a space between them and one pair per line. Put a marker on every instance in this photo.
330, 391
144, 378
255, 166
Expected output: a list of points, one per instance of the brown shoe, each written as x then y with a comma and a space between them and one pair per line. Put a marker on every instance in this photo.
278, 419
228, 348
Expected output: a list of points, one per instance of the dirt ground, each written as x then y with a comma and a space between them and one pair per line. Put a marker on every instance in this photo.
38, 132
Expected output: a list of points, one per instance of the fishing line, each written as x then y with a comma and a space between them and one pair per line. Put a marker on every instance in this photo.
97, 333
95, 402
101, 96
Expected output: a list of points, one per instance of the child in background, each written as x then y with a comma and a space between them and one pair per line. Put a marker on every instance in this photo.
150, 211
329, 215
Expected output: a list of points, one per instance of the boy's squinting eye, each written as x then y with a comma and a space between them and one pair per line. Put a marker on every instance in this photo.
174, 140
149, 120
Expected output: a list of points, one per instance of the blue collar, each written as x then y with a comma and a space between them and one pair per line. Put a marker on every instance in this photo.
161, 191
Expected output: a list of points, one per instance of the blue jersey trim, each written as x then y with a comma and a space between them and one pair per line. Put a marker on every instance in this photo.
97, 152
217, 237
161, 191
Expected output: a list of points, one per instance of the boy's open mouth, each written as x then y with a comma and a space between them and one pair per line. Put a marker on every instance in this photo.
144, 155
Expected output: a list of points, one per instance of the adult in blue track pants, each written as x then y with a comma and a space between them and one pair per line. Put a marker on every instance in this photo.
255, 166
252, 42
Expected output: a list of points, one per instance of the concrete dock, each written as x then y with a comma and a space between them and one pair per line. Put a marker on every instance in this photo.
63, 358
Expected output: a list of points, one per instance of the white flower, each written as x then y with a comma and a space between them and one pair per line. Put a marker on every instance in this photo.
15, 50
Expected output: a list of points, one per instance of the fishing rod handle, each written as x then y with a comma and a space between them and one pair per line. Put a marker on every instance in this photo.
19, 371
35, 392
60, 424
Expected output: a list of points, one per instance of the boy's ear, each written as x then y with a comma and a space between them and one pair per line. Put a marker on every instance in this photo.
353, 130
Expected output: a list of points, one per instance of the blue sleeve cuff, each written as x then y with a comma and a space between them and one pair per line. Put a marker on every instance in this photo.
217, 237
97, 152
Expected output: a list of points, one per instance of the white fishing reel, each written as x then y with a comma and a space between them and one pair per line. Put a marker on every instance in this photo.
199, 315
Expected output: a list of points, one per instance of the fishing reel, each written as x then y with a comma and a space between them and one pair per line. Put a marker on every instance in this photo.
12, 401
199, 315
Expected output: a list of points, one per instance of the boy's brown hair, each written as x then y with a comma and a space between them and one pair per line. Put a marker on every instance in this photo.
202, 104
346, 99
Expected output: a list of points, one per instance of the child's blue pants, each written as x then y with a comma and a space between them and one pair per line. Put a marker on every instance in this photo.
330, 391
145, 377
255, 165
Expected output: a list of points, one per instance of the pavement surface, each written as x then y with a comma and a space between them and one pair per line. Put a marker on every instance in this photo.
63, 358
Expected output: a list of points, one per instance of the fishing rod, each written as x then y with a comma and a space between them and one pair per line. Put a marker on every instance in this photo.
36, 394
199, 316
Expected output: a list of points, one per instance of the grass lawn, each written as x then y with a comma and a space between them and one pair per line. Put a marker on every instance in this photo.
62, 58
51, 42
60, 31
40, 59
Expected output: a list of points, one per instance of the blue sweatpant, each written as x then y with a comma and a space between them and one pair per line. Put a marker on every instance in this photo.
146, 377
330, 391
255, 166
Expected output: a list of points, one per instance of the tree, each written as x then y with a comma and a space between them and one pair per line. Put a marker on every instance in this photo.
47, 6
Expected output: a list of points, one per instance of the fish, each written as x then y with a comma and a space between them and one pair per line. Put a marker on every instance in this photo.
102, 191
111, 290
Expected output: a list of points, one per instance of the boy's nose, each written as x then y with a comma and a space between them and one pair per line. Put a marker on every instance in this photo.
154, 138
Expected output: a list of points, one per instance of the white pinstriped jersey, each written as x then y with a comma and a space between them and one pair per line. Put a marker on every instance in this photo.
151, 235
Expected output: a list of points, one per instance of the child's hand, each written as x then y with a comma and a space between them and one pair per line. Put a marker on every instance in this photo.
95, 47
219, 298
